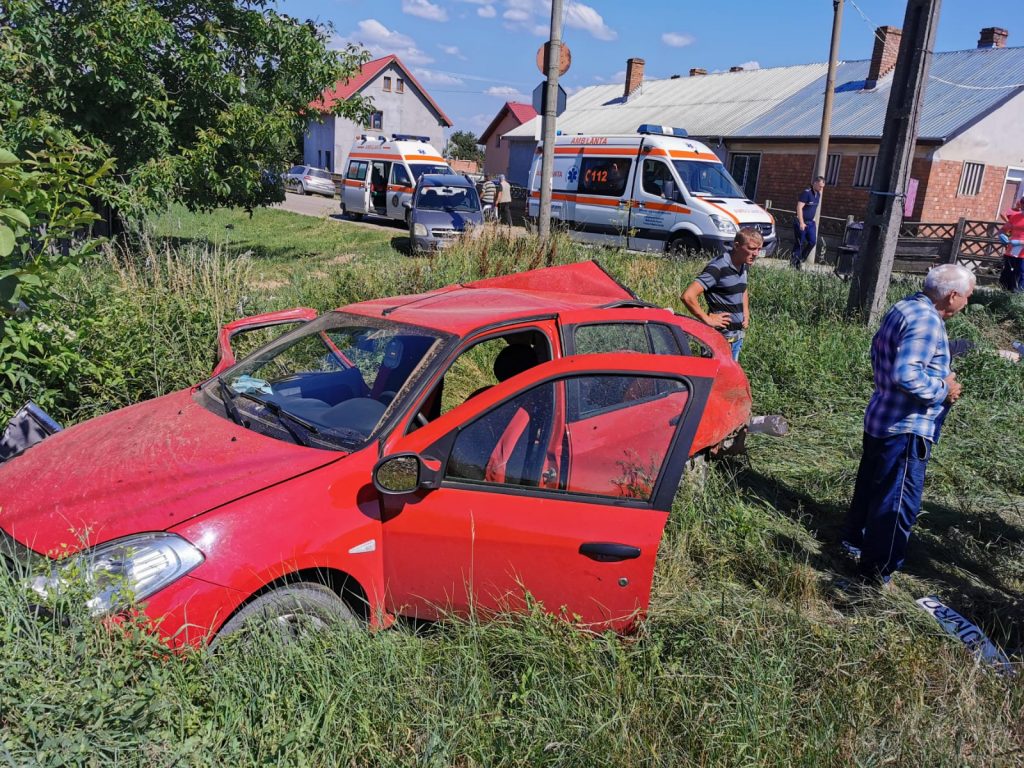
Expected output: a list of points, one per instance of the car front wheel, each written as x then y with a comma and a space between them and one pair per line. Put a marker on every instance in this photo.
289, 612
684, 245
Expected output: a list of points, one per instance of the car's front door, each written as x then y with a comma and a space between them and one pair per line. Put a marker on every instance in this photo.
400, 189
657, 208
547, 491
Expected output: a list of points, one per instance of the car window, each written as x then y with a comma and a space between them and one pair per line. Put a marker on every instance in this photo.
418, 169
400, 176
447, 199
655, 175
649, 338
316, 172
357, 170
296, 170
604, 175
619, 453
707, 179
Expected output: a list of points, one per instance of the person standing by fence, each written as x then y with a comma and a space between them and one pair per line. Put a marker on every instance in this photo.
1012, 276
805, 231
504, 201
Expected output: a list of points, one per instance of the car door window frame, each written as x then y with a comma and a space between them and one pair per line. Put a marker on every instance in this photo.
661, 496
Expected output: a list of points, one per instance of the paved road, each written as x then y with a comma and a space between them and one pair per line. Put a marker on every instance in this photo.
326, 207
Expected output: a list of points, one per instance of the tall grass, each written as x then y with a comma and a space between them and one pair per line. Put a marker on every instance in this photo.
749, 655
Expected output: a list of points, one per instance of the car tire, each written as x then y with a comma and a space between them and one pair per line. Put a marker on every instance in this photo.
302, 188
683, 246
292, 610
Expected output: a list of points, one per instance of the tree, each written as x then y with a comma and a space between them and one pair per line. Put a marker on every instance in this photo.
464, 145
195, 102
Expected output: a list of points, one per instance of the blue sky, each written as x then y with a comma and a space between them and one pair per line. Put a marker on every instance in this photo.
473, 55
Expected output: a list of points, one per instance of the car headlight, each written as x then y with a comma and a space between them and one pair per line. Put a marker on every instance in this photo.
120, 571
419, 230
724, 226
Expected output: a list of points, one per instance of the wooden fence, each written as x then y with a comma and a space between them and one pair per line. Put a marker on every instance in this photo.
921, 245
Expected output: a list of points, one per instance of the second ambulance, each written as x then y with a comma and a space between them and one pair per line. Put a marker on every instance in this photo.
655, 190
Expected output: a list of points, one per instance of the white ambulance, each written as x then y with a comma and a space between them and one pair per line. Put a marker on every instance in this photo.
656, 190
381, 174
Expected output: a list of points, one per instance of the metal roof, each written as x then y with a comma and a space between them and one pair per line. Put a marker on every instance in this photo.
706, 105
962, 87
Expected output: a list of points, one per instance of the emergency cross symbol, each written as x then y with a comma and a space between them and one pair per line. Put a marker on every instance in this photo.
573, 174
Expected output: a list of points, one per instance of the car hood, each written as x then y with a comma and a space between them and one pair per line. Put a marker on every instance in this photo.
457, 219
142, 468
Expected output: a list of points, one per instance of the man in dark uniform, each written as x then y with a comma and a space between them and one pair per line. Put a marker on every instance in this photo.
805, 231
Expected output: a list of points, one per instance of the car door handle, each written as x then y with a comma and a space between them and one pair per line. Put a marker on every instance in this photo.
609, 551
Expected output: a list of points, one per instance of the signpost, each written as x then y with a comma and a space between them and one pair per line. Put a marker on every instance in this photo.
540, 99
555, 59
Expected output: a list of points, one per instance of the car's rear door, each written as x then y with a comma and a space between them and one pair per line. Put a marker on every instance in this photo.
547, 491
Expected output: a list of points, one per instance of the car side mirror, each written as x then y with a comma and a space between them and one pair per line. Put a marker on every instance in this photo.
671, 193
404, 473
407, 204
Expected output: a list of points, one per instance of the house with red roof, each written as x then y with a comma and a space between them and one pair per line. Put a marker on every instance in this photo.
496, 151
402, 106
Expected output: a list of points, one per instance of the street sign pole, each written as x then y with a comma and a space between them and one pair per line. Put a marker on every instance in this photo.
548, 122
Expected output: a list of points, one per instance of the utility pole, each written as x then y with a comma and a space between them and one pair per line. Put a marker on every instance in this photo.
873, 267
547, 161
821, 164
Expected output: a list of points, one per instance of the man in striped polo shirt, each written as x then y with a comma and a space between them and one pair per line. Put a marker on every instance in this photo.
724, 285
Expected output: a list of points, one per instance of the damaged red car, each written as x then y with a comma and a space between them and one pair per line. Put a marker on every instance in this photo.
411, 456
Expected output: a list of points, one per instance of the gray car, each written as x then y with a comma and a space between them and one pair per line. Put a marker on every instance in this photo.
305, 180
444, 208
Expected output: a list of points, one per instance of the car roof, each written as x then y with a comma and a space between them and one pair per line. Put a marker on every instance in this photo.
465, 307
444, 180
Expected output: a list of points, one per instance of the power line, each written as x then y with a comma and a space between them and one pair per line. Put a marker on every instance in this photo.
977, 87
869, 22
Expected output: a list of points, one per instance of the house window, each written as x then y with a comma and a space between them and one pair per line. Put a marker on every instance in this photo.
376, 121
970, 180
400, 85
319, 158
832, 170
745, 169
387, 83
865, 170
327, 165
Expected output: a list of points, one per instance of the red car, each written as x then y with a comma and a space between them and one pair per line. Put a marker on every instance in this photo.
417, 455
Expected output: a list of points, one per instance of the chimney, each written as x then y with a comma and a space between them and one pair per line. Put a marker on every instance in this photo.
993, 37
634, 76
883, 57
698, 71
735, 69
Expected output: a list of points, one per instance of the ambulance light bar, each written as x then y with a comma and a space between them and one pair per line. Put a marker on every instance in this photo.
409, 137
662, 130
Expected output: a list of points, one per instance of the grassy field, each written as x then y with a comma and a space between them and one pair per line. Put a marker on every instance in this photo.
750, 655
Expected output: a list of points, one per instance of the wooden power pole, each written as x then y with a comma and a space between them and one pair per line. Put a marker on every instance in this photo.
547, 161
873, 267
821, 164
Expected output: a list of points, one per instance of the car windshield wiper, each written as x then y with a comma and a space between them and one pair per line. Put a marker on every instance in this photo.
282, 416
228, 398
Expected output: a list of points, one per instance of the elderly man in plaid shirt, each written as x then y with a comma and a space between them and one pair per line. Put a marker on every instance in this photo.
914, 388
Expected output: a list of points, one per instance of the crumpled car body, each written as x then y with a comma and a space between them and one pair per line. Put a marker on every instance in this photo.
553, 479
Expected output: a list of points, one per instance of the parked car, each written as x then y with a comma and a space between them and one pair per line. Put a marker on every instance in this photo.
306, 180
444, 208
415, 455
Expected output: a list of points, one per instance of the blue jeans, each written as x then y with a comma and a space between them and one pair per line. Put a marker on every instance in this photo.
886, 500
737, 345
803, 242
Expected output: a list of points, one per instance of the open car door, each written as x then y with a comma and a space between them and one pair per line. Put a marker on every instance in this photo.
554, 484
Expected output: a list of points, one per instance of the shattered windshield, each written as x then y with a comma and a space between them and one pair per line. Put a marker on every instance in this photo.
328, 384
705, 179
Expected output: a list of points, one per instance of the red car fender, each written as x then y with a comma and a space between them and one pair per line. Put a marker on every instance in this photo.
226, 355
251, 543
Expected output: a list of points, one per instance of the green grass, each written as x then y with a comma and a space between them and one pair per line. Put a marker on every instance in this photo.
749, 656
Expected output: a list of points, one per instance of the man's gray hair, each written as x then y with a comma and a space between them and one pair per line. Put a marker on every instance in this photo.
946, 278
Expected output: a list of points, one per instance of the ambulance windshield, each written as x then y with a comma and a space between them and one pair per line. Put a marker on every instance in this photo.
705, 179
418, 169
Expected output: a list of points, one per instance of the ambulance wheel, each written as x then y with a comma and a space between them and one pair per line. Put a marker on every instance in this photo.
684, 245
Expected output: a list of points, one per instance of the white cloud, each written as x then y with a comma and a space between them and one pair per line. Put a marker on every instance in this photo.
516, 15
381, 41
580, 16
675, 40
436, 77
486, 12
751, 65
424, 9
506, 92
451, 50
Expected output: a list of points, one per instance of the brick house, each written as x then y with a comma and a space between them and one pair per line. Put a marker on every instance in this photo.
764, 124
496, 152
401, 106
969, 157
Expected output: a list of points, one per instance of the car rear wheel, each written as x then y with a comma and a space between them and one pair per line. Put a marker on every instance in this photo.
684, 245
289, 612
